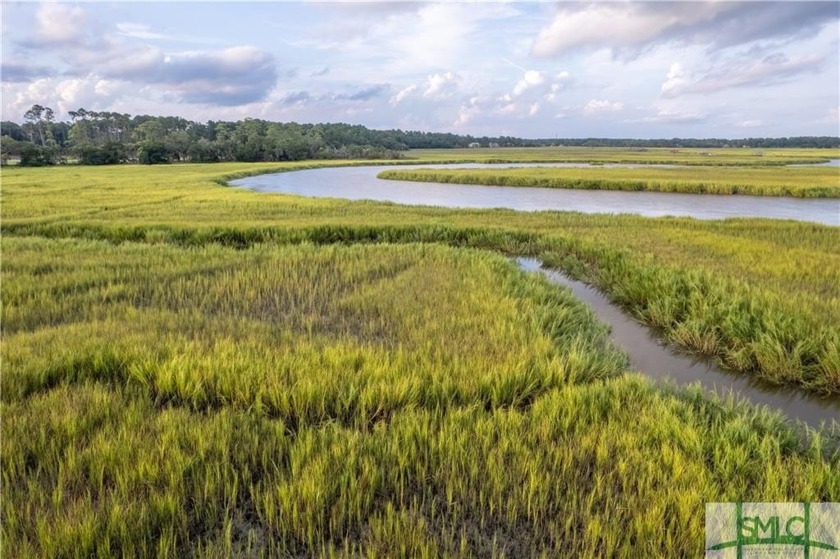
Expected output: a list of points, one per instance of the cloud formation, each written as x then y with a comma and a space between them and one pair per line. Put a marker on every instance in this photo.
627, 67
69, 94
233, 76
602, 106
402, 94
441, 85
531, 79
14, 72
675, 81
628, 28
296, 98
759, 73
59, 24
364, 94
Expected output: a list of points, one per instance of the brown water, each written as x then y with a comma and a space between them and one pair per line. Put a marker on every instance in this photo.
653, 358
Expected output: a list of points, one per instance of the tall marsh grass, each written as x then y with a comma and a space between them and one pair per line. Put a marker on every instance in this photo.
601, 155
409, 400
774, 313
800, 182
193, 370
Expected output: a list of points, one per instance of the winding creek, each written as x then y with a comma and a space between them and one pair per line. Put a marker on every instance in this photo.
657, 360
647, 354
361, 183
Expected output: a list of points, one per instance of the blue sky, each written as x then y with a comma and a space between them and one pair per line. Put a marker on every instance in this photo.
619, 69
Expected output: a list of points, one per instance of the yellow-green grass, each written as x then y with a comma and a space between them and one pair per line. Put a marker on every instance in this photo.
801, 182
404, 400
682, 156
195, 370
761, 296
314, 306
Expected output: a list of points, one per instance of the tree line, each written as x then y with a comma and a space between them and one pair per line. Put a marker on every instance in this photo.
102, 138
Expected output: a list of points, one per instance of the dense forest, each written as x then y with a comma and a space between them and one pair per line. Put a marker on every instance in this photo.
101, 138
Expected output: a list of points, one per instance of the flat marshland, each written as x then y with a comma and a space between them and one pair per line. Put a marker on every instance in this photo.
196, 370
801, 182
738, 156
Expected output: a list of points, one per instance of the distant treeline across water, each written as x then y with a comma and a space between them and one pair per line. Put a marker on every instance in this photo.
100, 138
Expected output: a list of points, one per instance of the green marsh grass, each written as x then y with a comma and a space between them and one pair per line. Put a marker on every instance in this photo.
801, 182
194, 370
761, 296
389, 400
680, 156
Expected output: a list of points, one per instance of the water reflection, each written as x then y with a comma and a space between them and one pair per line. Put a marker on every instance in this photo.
361, 183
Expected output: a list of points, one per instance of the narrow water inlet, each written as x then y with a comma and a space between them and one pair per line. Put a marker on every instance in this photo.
654, 358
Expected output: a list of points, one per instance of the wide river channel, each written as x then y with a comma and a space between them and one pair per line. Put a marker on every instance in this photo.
647, 354
361, 183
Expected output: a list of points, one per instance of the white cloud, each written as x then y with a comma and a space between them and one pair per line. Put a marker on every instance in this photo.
674, 81
419, 38
431, 66
402, 94
507, 109
108, 88
71, 92
237, 75
90, 92
441, 85
36, 92
468, 111
740, 73
554, 90
435, 36
749, 123
234, 76
534, 85
609, 25
602, 105
631, 27
121, 64
58, 24
531, 79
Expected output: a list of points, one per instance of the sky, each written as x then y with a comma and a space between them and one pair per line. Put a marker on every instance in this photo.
527, 69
